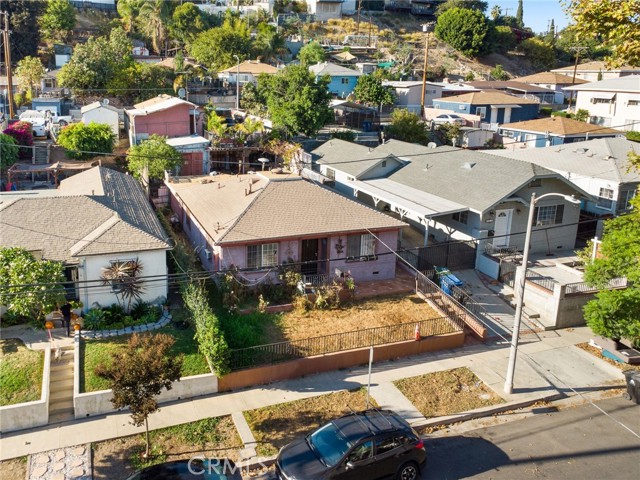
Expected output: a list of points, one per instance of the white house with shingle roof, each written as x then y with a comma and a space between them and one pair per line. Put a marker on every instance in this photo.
257, 222
600, 167
597, 70
94, 219
611, 103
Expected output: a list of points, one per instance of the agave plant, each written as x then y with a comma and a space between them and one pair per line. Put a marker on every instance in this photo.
124, 279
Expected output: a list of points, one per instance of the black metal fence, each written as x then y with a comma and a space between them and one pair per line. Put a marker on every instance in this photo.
309, 347
453, 255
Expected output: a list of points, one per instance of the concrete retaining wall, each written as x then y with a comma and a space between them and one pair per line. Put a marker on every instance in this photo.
99, 403
488, 265
335, 361
29, 414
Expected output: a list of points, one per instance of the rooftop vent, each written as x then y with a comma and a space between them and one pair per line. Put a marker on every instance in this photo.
468, 165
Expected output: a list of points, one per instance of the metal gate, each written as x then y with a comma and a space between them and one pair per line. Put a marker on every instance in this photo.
453, 255
507, 272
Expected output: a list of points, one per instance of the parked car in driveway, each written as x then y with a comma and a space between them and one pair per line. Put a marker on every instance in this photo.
447, 118
374, 444
192, 469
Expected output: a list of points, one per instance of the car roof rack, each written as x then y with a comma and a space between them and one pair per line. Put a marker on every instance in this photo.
357, 415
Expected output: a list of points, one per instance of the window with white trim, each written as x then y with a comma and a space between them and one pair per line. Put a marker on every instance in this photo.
461, 217
624, 199
601, 100
331, 173
605, 198
344, 80
548, 215
361, 245
481, 111
262, 256
633, 103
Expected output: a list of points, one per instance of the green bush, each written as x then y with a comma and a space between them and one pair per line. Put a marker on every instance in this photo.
561, 114
545, 111
139, 308
633, 136
80, 139
94, 319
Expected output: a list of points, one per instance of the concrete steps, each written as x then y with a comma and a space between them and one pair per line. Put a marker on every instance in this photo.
61, 386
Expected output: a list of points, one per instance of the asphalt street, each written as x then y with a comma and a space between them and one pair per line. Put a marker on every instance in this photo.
573, 443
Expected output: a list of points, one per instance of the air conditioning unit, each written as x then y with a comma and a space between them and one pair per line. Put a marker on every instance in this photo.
207, 253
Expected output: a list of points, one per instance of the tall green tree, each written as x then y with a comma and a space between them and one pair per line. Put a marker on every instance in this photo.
269, 45
295, 101
615, 23
155, 155
140, 81
128, 10
616, 313
407, 127
311, 54
520, 15
96, 61
86, 141
465, 30
8, 151
58, 20
139, 373
541, 55
19, 272
479, 5
187, 22
153, 20
369, 90
29, 72
23, 21
215, 48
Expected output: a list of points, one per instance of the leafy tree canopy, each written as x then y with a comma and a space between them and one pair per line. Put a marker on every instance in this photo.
407, 127
541, 55
215, 48
79, 139
22, 133
479, 5
149, 80
156, 155
463, 29
25, 36
615, 23
295, 101
95, 62
269, 45
58, 20
8, 151
19, 271
188, 21
311, 54
616, 313
29, 72
369, 90
153, 19
137, 374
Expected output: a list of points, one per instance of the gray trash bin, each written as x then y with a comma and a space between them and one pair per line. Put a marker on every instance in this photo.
633, 385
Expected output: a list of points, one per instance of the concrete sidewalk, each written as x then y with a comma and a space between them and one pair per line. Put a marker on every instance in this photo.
548, 366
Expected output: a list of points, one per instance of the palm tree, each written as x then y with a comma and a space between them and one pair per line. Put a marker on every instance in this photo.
154, 18
128, 11
248, 128
124, 280
217, 124
270, 45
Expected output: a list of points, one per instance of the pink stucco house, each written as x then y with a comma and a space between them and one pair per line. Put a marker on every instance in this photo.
258, 221
178, 120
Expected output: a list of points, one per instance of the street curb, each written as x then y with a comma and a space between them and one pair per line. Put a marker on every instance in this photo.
253, 463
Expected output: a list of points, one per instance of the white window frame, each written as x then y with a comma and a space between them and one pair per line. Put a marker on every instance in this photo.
548, 215
482, 112
361, 245
624, 199
266, 255
605, 198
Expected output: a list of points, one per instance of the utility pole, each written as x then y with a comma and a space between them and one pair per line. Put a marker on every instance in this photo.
426, 28
576, 49
358, 21
370, 26
7, 61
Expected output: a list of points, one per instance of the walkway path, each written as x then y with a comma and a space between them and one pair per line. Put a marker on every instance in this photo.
547, 366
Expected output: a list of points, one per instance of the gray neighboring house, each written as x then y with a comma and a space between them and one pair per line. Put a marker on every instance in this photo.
453, 194
600, 167
94, 219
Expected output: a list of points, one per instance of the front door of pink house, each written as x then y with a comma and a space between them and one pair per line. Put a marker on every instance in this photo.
313, 255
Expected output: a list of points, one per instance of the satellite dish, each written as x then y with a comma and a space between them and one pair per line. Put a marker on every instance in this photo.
105, 101
182, 93
263, 161
431, 145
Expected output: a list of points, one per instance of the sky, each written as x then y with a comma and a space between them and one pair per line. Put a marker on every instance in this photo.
537, 13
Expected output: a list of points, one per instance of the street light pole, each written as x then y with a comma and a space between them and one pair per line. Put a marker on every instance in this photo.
522, 279
425, 28
237, 82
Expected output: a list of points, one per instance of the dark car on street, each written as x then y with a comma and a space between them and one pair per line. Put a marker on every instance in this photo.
195, 468
368, 445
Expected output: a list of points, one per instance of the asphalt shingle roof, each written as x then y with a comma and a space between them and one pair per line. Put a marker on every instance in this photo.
486, 98
289, 208
328, 68
551, 78
604, 158
113, 217
630, 83
559, 126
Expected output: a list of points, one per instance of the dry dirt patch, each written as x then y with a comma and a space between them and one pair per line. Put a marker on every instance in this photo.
368, 313
596, 352
211, 437
275, 426
445, 393
14, 469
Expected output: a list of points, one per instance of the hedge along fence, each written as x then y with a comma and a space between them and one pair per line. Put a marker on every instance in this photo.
211, 341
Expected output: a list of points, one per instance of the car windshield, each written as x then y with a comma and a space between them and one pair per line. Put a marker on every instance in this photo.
329, 444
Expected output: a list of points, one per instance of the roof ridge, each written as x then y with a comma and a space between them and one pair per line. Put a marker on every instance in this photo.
94, 234
244, 212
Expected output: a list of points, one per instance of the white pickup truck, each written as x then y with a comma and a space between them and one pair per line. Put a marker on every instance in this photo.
47, 116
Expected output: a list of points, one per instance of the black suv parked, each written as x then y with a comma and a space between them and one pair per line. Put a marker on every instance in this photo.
369, 445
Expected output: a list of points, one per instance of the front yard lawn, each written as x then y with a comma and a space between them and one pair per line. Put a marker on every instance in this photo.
20, 372
242, 331
445, 393
275, 426
94, 352
211, 438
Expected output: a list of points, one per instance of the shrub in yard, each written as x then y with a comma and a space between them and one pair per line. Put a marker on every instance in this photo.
94, 319
8, 151
80, 139
302, 304
633, 136
22, 133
